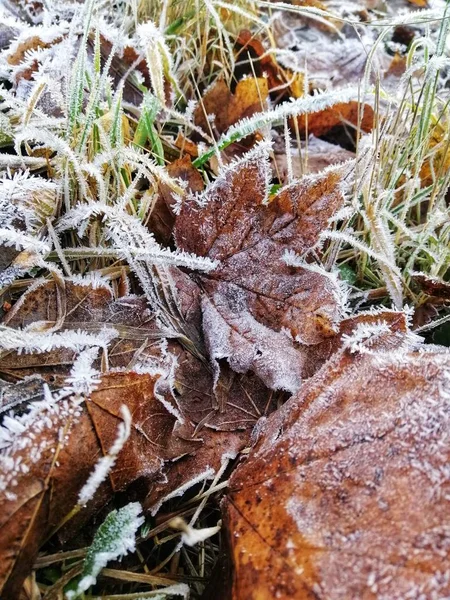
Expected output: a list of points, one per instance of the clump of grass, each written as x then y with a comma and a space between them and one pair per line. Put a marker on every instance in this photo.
400, 220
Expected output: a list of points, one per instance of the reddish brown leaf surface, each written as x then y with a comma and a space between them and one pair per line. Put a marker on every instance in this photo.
322, 122
255, 304
394, 320
45, 466
227, 107
345, 494
232, 402
52, 458
162, 217
169, 446
432, 286
249, 47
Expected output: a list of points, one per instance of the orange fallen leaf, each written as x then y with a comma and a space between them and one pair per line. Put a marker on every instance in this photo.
226, 107
17, 54
263, 64
322, 122
58, 445
438, 161
177, 436
345, 494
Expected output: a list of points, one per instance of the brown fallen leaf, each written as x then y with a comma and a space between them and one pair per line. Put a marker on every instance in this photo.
262, 64
230, 402
395, 321
432, 286
322, 122
318, 155
162, 217
123, 63
249, 97
18, 51
439, 160
259, 311
56, 446
345, 494
19, 55
74, 305
169, 446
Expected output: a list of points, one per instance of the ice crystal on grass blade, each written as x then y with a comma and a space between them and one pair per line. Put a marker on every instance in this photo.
83, 377
28, 340
115, 538
268, 118
159, 59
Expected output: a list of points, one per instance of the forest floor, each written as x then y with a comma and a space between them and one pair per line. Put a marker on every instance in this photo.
225, 257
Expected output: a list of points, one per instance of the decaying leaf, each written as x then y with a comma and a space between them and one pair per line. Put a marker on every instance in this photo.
259, 311
220, 107
262, 64
162, 217
350, 113
395, 322
168, 448
313, 157
345, 494
432, 286
439, 161
337, 60
24, 52
86, 304
231, 401
49, 460
55, 447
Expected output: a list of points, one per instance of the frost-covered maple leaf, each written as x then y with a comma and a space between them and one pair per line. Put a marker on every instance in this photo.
345, 494
259, 310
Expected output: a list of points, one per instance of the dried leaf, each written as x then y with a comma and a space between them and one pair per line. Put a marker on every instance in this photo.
120, 66
397, 338
255, 306
220, 108
233, 402
168, 448
345, 493
322, 122
162, 217
19, 50
327, 24
48, 462
75, 305
262, 64
432, 286
439, 160
227, 403
318, 155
